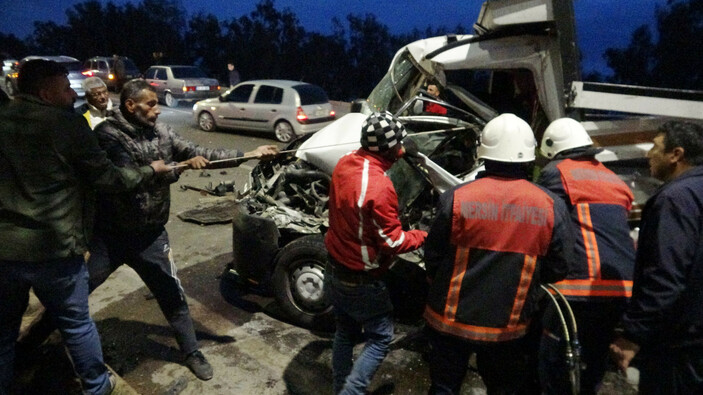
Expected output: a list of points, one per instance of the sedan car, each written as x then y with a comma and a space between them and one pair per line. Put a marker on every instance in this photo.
286, 108
174, 83
72, 64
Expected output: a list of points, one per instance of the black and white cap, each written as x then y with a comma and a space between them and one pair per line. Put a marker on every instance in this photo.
381, 131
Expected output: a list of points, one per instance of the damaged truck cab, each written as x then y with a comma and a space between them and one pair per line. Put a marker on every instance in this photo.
522, 60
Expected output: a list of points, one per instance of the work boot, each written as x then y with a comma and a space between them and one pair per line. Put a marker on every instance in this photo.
197, 363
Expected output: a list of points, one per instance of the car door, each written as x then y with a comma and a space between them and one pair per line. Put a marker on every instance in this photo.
158, 80
234, 107
265, 108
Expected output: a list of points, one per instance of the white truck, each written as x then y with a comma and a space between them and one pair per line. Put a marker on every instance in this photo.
523, 60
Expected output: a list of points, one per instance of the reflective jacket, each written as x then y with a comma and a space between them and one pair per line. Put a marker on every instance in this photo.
599, 202
365, 231
128, 145
666, 308
50, 162
492, 244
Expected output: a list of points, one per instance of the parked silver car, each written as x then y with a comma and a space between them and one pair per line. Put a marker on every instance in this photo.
73, 66
287, 108
174, 83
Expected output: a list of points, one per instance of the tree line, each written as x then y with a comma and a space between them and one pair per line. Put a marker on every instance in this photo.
347, 63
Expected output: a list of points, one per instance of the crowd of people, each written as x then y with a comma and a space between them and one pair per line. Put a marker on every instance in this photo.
100, 198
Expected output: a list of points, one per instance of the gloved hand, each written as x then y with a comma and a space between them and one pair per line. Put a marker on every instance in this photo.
410, 148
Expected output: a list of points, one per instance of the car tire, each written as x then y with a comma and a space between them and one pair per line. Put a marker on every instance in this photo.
170, 100
298, 283
284, 131
206, 122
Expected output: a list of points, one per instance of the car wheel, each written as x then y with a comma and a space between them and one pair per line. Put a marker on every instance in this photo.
298, 283
170, 100
284, 132
206, 121
9, 88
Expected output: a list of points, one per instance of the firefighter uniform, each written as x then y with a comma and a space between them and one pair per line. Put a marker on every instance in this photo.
493, 242
599, 281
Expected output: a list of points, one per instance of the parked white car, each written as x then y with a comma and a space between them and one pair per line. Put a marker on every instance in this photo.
286, 108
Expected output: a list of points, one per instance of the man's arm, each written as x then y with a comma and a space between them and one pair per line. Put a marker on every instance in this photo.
437, 245
91, 162
384, 214
555, 264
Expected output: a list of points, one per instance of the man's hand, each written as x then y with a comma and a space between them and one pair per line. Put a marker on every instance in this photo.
263, 152
622, 351
196, 162
160, 166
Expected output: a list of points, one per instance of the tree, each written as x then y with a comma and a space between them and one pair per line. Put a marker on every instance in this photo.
675, 60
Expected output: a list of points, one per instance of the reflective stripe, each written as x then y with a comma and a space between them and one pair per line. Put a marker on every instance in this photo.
472, 332
388, 240
589, 240
360, 203
461, 261
528, 269
609, 288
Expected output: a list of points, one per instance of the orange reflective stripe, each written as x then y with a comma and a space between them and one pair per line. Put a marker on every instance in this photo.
461, 260
472, 332
608, 288
528, 269
589, 240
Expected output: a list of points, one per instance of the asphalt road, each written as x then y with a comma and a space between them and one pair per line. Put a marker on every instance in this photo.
252, 351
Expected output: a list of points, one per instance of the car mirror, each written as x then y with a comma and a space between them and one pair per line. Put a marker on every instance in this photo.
221, 97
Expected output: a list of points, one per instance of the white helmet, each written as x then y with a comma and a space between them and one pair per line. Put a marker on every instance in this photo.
563, 134
507, 138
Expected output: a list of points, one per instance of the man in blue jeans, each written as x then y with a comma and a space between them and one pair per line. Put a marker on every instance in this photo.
364, 236
49, 159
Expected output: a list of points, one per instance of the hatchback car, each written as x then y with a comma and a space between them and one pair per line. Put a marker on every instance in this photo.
286, 108
175, 83
114, 71
73, 66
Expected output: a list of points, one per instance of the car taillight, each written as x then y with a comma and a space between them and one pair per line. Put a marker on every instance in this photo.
110, 76
87, 73
188, 89
300, 115
332, 113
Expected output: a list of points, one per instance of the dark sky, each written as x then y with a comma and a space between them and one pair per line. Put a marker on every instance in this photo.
600, 24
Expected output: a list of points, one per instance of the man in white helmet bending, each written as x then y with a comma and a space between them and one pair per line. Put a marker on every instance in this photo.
493, 242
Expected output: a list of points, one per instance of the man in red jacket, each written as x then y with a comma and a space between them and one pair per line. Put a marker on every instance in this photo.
364, 235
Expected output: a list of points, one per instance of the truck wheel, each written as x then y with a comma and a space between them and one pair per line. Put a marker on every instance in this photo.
170, 100
298, 283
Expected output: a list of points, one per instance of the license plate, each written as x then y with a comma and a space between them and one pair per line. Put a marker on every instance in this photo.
320, 113
202, 88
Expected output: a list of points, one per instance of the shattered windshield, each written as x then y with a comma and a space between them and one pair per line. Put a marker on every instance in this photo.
407, 78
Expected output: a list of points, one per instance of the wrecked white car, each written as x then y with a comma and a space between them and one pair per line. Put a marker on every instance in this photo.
516, 63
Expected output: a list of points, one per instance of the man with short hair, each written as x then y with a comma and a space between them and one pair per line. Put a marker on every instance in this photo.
434, 108
130, 226
663, 323
98, 104
232, 75
364, 236
493, 242
49, 160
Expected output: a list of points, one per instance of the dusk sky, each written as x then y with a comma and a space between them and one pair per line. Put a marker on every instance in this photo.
600, 24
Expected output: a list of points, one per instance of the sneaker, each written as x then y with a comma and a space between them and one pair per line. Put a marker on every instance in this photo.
197, 363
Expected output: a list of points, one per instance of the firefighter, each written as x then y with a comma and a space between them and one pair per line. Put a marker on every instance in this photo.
599, 281
493, 242
364, 235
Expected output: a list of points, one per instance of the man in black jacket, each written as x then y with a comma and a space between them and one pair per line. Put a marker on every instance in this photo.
663, 323
130, 226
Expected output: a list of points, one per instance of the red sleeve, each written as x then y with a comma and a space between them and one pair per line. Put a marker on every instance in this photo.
392, 238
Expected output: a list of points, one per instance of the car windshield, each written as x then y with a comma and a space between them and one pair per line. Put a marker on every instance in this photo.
311, 94
187, 72
403, 79
128, 64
